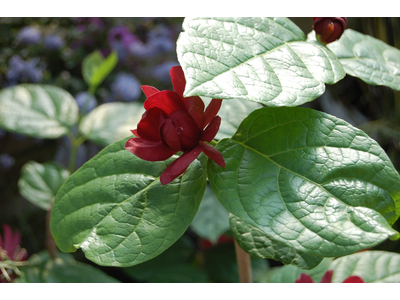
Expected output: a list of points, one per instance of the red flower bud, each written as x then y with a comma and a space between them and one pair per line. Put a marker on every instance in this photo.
327, 278
173, 123
328, 30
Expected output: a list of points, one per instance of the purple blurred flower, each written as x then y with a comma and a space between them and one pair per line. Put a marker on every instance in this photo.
53, 42
159, 41
121, 39
161, 72
6, 161
23, 71
29, 35
81, 99
125, 87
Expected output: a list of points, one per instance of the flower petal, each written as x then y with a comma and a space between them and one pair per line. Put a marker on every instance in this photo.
353, 279
11, 240
196, 110
211, 131
150, 125
149, 90
179, 166
168, 101
134, 132
212, 110
327, 278
178, 80
304, 278
150, 151
213, 154
169, 135
186, 128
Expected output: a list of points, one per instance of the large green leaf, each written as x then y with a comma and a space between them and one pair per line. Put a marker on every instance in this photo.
111, 122
115, 208
371, 266
255, 242
42, 111
95, 67
308, 180
368, 58
232, 113
39, 183
265, 60
212, 219
63, 269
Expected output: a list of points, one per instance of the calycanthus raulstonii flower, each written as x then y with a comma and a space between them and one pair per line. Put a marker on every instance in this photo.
327, 278
173, 123
328, 30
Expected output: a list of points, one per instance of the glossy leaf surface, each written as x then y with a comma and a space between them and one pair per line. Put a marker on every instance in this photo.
265, 60
63, 269
255, 242
308, 180
39, 183
95, 67
232, 113
41, 111
371, 266
111, 122
212, 219
368, 58
115, 208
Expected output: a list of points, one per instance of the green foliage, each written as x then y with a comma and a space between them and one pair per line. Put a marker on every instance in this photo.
111, 122
255, 242
63, 269
36, 110
308, 180
371, 266
256, 59
39, 183
95, 67
212, 219
115, 208
368, 58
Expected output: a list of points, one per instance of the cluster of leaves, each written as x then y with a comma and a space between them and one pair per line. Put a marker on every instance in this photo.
299, 184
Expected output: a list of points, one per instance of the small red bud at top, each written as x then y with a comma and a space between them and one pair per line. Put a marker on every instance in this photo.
328, 30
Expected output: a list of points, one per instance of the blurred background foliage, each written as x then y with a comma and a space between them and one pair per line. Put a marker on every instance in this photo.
51, 50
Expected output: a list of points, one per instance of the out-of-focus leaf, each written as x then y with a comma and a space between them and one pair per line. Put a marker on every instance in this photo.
39, 183
95, 67
42, 111
212, 219
63, 269
111, 122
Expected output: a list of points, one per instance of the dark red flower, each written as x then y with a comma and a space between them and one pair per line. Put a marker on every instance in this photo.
327, 278
173, 123
329, 30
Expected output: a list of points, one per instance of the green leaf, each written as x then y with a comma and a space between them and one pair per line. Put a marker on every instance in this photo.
290, 273
115, 208
111, 122
63, 269
371, 266
308, 180
265, 60
255, 242
95, 67
368, 58
39, 183
232, 113
42, 111
212, 219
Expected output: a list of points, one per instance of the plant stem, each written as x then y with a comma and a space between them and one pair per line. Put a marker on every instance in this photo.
244, 264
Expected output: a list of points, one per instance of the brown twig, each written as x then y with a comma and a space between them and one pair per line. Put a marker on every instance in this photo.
244, 264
